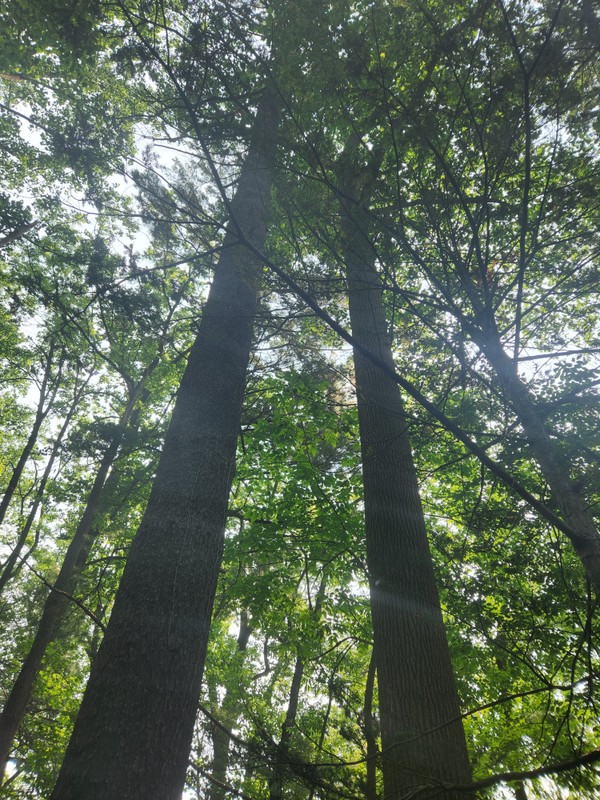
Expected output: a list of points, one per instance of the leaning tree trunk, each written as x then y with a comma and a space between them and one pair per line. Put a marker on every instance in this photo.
58, 600
423, 743
134, 730
566, 495
10, 566
40, 415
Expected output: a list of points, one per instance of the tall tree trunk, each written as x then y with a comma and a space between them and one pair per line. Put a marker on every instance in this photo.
422, 735
520, 792
555, 469
133, 733
58, 600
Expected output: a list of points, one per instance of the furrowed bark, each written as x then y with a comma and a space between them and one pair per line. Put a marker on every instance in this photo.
133, 734
418, 701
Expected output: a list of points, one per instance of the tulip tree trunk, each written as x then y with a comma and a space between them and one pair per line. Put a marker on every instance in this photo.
423, 743
134, 730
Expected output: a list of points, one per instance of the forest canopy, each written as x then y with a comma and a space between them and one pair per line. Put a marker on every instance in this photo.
300, 443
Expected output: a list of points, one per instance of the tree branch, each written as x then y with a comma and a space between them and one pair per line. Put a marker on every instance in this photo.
70, 597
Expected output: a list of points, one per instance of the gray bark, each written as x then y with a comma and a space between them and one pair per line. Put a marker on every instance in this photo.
132, 737
423, 741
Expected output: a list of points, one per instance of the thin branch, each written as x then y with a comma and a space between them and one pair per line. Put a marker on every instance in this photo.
228, 788
70, 597
584, 760
18, 233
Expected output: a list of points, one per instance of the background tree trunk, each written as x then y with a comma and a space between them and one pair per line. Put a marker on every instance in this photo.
58, 600
555, 469
10, 565
280, 765
48, 387
228, 714
370, 733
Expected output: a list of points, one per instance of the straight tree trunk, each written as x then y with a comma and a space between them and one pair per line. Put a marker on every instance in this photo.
134, 730
220, 761
423, 743
58, 600
369, 733
282, 755
229, 713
